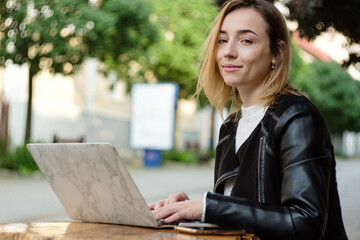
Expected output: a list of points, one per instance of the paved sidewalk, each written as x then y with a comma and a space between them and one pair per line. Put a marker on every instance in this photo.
32, 199
348, 175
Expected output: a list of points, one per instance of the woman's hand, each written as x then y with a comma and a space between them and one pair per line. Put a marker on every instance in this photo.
173, 197
177, 207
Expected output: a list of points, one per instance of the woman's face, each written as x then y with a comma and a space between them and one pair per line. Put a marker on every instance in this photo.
243, 54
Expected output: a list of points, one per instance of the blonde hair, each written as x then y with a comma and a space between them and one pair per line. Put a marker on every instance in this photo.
276, 82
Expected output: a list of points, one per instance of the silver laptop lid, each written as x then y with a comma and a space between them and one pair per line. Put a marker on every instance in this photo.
92, 183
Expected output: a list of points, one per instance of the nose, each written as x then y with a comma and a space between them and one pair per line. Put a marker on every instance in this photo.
230, 50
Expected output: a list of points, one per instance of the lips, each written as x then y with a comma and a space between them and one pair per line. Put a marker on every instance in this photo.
231, 67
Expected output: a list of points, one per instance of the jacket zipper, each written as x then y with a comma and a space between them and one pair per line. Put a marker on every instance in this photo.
225, 176
261, 170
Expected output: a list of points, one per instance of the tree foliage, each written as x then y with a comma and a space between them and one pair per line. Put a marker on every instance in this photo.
63, 32
317, 16
182, 29
332, 90
59, 34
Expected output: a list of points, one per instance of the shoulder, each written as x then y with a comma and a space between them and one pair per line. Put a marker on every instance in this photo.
290, 105
284, 102
298, 112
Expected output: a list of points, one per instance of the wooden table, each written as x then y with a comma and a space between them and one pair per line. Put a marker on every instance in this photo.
78, 230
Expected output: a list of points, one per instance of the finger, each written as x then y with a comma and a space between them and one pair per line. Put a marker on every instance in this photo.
159, 204
174, 217
167, 201
166, 211
178, 197
175, 198
182, 196
172, 198
151, 206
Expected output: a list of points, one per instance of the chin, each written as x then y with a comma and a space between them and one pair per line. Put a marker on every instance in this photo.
232, 83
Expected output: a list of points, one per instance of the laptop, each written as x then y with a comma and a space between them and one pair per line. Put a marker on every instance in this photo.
94, 185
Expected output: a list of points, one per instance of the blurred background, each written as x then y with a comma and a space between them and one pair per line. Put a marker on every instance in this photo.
67, 69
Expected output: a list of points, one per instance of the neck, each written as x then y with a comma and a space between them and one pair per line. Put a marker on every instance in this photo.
249, 97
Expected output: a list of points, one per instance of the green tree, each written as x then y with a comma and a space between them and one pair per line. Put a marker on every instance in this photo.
298, 66
182, 32
334, 92
59, 34
182, 26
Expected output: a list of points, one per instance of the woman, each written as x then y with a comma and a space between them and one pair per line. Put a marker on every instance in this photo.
275, 166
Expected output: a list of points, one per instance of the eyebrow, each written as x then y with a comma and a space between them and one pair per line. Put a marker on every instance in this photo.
242, 31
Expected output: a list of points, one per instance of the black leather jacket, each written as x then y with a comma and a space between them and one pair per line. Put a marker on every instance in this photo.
285, 185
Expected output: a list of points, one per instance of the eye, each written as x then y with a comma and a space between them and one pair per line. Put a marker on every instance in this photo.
246, 41
222, 40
